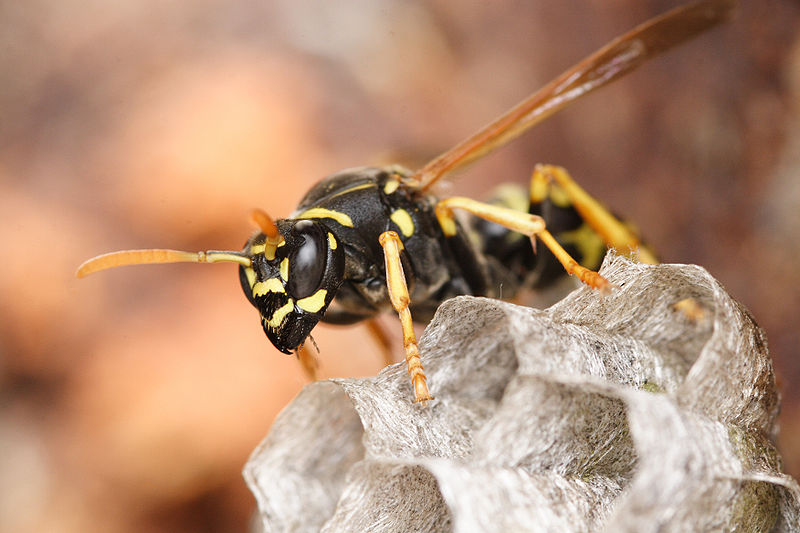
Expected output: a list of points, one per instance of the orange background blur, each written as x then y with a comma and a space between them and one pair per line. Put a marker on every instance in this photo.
131, 400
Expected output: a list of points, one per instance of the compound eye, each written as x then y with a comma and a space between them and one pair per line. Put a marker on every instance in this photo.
307, 261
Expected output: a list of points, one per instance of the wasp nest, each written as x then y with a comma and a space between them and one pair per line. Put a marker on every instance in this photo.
652, 408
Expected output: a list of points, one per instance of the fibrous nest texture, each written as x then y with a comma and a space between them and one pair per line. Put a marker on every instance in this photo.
651, 408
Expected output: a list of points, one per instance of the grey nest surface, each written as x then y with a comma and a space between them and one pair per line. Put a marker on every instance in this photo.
605, 412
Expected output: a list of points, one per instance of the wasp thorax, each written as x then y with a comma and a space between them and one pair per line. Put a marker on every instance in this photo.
292, 280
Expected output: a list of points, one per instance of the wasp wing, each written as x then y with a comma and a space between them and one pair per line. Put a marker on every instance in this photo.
617, 58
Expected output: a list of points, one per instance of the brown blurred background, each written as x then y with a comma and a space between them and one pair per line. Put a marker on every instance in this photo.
129, 401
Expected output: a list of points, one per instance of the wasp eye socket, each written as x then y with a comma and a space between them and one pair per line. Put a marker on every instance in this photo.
307, 259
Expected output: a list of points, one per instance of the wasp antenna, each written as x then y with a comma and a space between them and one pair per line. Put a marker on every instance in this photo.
265, 223
154, 256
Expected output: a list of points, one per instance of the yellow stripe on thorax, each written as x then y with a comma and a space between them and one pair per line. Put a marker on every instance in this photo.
403, 221
320, 212
354, 188
390, 186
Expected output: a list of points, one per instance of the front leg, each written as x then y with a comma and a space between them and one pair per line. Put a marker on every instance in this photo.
398, 294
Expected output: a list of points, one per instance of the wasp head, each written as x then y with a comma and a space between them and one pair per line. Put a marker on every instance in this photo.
292, 279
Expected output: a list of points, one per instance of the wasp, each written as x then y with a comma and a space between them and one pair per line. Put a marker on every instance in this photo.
367, 240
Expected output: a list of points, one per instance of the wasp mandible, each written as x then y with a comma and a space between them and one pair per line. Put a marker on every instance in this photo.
366, 240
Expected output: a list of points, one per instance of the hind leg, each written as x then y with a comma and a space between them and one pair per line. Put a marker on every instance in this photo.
554, 184
530, 225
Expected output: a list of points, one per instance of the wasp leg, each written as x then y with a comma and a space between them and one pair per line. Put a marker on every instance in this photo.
532, 226
308, 361
550, 181
398, 294
553, 181
379, 334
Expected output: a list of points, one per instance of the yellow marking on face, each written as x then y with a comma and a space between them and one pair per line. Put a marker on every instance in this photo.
281, 243
391, 186
353, 189
403, 221
271, 285
279, 315
257, 248
250, 274
313, 303
321, 212
332, 244
285, 269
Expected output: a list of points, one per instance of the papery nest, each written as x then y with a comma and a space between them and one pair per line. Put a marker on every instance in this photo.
652, 408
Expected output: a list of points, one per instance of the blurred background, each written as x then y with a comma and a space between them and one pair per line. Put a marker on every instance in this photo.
130, 400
